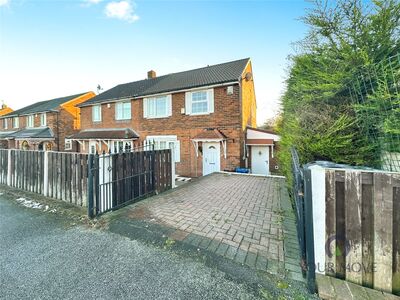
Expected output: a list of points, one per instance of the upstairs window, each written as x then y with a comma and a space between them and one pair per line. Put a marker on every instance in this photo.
16, 122
30, 121
96, 113
5, 124
199, 102
157, 107
43, 120
123, 111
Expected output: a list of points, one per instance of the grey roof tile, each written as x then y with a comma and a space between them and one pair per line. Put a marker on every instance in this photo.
33, 133
106, 133
216, 74
42, 106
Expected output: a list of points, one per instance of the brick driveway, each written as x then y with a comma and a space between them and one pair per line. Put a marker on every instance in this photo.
243, 218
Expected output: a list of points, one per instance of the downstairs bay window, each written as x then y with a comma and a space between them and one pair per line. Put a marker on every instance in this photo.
162, 142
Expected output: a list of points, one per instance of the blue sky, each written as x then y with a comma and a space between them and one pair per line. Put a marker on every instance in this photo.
51, 49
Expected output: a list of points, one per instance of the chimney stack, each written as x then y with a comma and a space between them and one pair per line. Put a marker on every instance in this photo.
151, 74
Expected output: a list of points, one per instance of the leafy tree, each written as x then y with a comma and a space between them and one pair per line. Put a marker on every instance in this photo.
319, 116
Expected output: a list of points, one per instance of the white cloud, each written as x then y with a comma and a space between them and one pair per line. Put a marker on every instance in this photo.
122, 10
4, 2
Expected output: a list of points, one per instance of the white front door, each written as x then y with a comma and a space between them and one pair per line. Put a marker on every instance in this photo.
260, 160
211, 158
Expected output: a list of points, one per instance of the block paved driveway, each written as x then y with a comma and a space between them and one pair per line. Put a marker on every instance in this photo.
244, 218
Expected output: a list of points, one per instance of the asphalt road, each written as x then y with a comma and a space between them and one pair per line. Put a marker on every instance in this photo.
43, 257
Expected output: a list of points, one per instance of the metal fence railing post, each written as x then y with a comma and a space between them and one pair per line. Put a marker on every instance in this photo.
153, 167
90, 186
173, 171
309, 231
9, 162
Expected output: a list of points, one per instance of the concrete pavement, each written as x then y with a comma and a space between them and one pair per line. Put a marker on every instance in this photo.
43, 257
52, 251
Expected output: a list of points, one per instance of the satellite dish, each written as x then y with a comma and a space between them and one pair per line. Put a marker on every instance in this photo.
248, 76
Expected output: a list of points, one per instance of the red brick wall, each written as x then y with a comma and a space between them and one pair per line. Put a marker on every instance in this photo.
226, 117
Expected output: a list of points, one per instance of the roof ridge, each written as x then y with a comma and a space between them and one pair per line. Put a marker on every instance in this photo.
41, 103
222, 73
180, 72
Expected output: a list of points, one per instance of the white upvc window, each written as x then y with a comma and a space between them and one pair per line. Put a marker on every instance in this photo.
5, 124
122, 146
96, 113
162, 142
30, 121
92, 147
43, 119
157, 107
16, 122
199, 102
123, 110
68, 144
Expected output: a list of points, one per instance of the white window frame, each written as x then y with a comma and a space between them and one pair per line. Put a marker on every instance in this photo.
122, 110
30, 121
116, 143
159, 141
68, 145
92, 144
43, 120
5, 123
16, 122
150, 107
96, 113
189, 102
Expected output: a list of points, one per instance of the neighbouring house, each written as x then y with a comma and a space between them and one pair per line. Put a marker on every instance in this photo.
202, 114
42, 125
261, 146
4, 109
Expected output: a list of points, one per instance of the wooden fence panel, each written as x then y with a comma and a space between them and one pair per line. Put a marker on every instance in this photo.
362, 227
383, 231
64, 176
330, 221
3, 166
353, 226
396, 235
367, 231
340, 227
58, 175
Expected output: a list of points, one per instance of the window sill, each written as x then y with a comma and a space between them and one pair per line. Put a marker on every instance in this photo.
199, 114
162, 117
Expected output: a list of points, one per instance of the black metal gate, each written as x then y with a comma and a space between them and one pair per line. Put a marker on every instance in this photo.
301, 194
118, 179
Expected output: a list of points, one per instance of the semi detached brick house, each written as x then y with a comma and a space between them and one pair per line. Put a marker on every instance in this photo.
202, 114
43, 125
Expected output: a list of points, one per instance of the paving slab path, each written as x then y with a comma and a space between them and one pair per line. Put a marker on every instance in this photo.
247, 219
